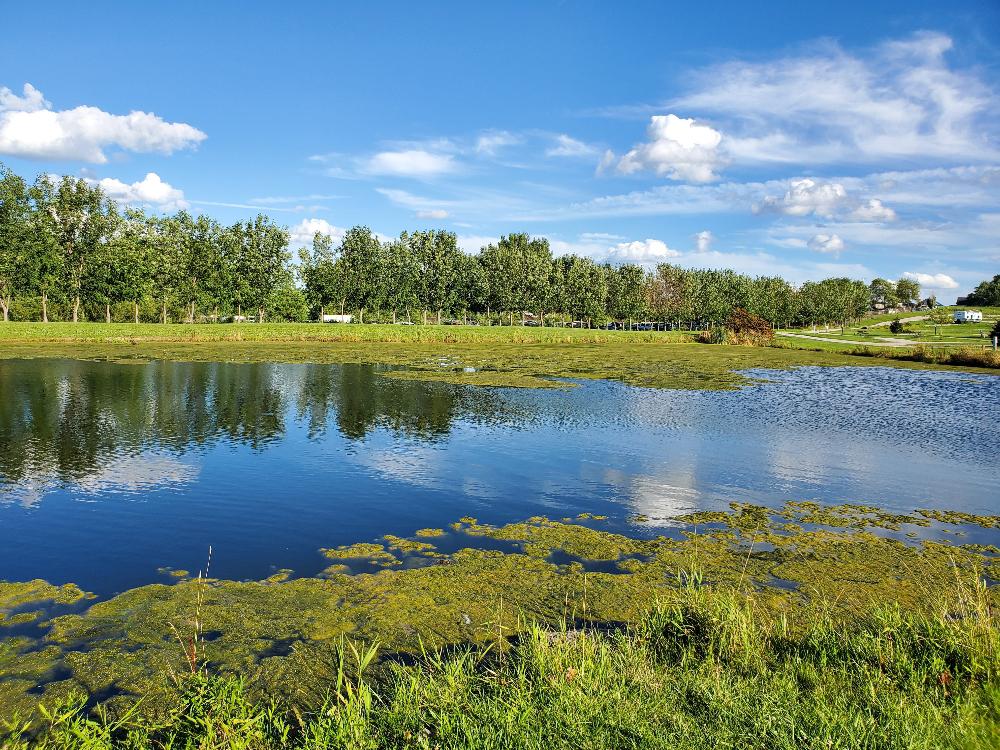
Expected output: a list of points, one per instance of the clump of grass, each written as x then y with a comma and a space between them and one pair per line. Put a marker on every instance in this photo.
711, 668
964, 357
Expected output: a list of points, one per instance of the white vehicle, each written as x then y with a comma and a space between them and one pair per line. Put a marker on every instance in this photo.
968, 316
338, 318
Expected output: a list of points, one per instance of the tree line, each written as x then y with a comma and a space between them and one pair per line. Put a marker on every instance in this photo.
64, 243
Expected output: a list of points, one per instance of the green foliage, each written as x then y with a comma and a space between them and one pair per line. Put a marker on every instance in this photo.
986, 293
896, 326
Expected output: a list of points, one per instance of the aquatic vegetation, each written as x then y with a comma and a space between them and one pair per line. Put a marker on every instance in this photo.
504, 358
283, 635
710, 668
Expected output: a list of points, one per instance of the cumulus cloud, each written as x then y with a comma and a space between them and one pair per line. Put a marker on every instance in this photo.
150, 190
872, 210
411, 163
641, 251
804, 197
570, 147
903, 98
434, 213
932, 280
31, 129
678, 148
703, 241
301, 235
826, 243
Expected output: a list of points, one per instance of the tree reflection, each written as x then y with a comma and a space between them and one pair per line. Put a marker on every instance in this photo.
64, 420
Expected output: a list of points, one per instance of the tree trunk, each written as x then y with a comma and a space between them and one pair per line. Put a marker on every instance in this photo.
260, 315
394, 317
425, 316
163, 313
191, 315
6, 308
45, 308
107, 312
439, 317
76, 309
239, 310
361, 315
135, 304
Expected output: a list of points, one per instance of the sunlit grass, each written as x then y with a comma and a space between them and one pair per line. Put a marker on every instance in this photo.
714, 668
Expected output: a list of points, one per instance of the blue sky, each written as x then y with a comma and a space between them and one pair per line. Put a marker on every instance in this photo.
849, 139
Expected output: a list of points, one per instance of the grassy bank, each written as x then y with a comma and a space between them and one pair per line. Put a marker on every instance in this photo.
131, 333
806, 626
712, 669
525, 357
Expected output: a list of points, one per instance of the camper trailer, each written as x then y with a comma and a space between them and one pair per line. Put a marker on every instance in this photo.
968, 316
338, 318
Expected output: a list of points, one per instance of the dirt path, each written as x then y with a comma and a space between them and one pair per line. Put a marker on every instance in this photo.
879, 341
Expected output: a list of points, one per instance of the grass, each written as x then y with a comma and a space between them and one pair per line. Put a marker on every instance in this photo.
491, 356
714, 668
131, 333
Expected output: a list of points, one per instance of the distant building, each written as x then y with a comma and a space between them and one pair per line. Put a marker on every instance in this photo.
338, 318
968, 316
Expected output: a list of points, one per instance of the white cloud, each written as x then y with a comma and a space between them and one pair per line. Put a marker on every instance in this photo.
411, 163
703, 241
295, 198
902, 99
872, 210
493, 140
434, 213
29, 128
150, 190
678, 148
826, 243
933, 280
804, 197
570, 147
423, 208
301, 235
641, 251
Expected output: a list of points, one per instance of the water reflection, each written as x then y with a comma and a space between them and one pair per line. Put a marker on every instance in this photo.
109, 471
86, 423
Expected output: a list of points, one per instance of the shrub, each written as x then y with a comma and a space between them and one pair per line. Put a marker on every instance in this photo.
896, 326
747, 329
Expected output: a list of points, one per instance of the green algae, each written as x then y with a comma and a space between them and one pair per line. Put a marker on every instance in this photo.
15, 594
375, 553
430, 532
284, 635
502, 359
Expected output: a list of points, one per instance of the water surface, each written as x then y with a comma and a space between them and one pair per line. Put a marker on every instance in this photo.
110, 471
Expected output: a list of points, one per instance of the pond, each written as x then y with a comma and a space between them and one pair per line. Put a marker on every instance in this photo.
110, 472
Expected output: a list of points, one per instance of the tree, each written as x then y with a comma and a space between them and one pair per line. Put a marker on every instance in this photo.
15, 212
44, 257
908, 292
360, 254
320, 273
882, 294
260, 260
987, 293
80, 219
403, 287
627, 296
